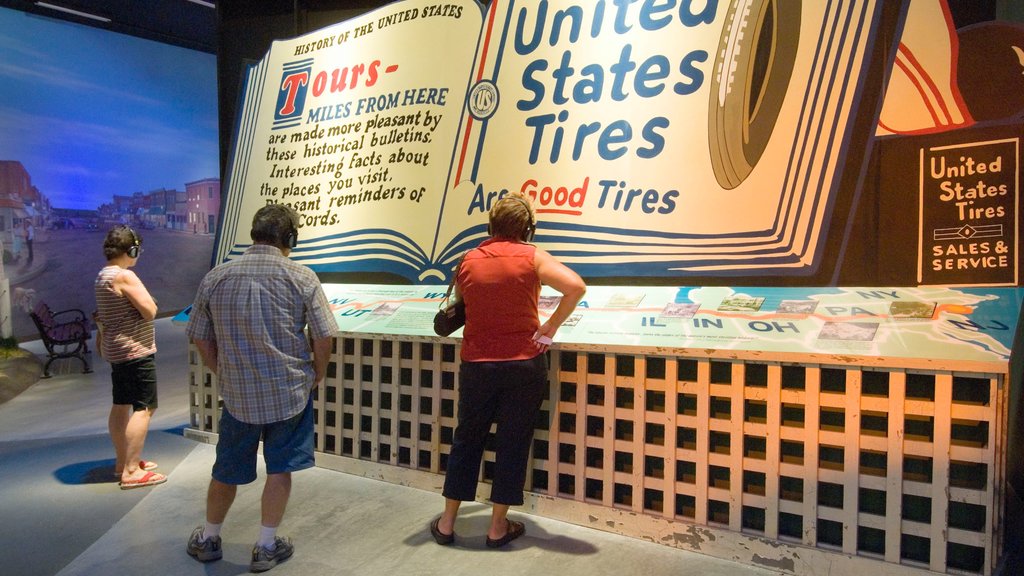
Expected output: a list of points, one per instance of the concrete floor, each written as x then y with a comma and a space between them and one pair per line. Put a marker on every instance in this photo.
63, 513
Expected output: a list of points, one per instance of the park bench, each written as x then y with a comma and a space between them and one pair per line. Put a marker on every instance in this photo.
65, 334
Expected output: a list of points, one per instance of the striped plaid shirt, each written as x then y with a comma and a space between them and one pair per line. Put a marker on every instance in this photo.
255, 308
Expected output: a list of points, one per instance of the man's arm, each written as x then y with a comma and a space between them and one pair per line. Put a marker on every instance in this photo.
208, 352
321, 329
321, 357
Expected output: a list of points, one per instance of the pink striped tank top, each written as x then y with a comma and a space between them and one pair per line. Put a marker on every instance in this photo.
126, 335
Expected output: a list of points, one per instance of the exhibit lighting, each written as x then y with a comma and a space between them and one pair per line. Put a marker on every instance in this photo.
203, 3
67, 10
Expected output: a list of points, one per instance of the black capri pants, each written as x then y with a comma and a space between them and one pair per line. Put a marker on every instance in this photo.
508, 393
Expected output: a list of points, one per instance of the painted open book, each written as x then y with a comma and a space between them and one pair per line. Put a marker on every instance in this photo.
657, 139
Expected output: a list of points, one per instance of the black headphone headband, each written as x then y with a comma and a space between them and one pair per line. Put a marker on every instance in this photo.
291, 239
134, 250
531, 226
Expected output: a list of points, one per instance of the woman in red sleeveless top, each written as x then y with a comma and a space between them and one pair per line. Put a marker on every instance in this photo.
503, 374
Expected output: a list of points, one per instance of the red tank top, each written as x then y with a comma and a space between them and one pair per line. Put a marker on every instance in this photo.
499, 284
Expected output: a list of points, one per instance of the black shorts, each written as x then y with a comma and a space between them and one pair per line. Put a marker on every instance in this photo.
135, 383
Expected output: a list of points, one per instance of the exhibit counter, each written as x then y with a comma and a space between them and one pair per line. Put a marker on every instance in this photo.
805, 430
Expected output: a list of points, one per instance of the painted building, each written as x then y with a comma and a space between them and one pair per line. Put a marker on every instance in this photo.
203, 197
15, 188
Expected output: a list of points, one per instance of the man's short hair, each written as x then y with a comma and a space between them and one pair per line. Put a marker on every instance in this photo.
119, 240
513, 217
275, 224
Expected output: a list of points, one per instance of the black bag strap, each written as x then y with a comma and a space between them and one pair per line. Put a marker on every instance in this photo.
451, 285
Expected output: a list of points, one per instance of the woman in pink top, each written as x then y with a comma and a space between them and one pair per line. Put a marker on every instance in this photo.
503, 374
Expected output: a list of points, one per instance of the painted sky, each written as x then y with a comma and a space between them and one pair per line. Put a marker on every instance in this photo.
91, 113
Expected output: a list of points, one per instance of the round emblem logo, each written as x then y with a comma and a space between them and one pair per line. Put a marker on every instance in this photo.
483, 100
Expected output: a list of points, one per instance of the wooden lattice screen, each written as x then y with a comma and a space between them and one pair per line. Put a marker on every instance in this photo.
896, 465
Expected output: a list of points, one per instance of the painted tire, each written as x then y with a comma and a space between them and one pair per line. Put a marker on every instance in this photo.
752, 72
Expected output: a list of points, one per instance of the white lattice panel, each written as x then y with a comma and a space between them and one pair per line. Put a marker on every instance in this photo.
885, 464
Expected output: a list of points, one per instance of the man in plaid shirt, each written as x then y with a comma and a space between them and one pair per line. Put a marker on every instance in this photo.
248, 323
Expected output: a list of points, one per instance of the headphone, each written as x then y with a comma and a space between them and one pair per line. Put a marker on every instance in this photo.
531, 228
136, 247
291, 239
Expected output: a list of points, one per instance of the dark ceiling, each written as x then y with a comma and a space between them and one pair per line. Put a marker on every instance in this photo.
186, 23
193, 23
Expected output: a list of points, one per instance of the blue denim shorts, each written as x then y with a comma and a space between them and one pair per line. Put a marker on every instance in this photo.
287, 446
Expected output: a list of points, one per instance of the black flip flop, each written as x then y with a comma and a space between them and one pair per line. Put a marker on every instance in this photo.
440, 537
515, 530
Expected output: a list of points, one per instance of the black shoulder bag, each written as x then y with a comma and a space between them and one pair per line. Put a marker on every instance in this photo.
452, 315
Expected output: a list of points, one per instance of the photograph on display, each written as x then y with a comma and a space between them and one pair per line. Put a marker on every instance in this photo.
624, 300
678, 310
797, 306
741, 304
851, 331
387, 309
548, 302
912, 310
572, 320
